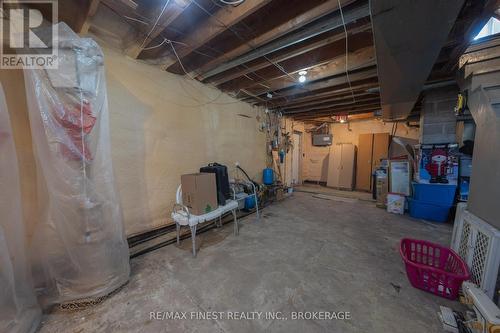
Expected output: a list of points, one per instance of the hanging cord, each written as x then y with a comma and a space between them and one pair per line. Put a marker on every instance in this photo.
135, 20
279, 67
127, 18
346, 52
233, 3
156, 23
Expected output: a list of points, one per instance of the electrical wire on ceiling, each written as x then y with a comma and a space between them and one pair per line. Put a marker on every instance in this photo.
272, 62
166, 40
156, 22
136, 20
171, 42
346, 52
213, 86
233, 3
143, 21
244, 41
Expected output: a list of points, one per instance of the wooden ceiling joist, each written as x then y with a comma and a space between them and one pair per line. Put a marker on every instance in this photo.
224, 18
293, 38
256, 51
481, 12
352, 117
362, 58
334, 92
91, 10
366, 73
294, 24
335, 106
335, 111
169, 15
288, 54
332, 101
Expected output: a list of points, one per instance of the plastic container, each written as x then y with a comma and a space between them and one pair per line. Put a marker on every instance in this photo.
428, 211
268, 176
433, 268
442, 194
250, 202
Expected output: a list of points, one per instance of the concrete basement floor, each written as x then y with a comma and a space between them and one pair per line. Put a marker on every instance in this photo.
307, 253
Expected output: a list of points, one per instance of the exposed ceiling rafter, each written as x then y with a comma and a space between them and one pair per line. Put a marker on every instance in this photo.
225, 17
291, 39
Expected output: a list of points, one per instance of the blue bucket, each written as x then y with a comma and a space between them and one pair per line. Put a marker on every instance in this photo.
268, 176
250, 202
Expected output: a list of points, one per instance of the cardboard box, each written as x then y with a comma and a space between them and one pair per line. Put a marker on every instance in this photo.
395, 203
199, 192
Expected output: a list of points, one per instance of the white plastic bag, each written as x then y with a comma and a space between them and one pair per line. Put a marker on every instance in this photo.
81, 241
19, 310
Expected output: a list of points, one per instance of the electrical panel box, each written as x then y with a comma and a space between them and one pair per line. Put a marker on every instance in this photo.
322, 139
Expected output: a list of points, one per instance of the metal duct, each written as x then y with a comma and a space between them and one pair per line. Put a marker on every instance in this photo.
408, 37
482, 82
484, 189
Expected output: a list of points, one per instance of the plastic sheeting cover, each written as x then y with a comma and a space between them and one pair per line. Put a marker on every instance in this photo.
19, 311
80, 239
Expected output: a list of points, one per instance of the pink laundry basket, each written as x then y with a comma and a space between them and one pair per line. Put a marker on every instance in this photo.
433, 268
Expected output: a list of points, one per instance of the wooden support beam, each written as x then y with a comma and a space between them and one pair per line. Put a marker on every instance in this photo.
363, 115
482, 10
344, 100
293, 38
91, 10
363, 74
227, 16
331, 98
333, 112
313, 94
306, 56
291, 25
169, 15
335, 106
362, 58
335, 92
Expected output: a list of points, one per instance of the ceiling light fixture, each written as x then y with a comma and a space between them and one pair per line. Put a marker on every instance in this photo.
302, 76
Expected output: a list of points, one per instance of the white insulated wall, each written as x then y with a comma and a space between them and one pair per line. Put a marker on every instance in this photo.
162, 125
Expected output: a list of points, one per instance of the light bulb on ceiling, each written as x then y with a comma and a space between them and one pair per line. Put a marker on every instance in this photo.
302, 79
303, 73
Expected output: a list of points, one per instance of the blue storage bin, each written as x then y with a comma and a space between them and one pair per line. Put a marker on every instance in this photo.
428, 211
442, 194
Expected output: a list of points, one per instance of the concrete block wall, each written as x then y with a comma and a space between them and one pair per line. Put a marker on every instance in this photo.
438, 123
